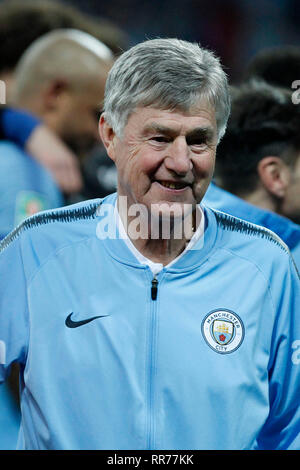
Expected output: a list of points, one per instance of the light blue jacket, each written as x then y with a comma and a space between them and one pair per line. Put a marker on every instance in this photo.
207, 358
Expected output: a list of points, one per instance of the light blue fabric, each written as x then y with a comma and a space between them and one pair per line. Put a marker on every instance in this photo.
288, 231
23, 181
9, 419
211, 363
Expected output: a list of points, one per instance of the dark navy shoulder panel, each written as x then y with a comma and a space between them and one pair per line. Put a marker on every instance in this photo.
74, 213
228, 222
231, 223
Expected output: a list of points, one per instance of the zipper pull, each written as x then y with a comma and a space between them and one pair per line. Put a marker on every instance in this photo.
154, 288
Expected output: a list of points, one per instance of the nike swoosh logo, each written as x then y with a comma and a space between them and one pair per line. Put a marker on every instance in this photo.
74, 324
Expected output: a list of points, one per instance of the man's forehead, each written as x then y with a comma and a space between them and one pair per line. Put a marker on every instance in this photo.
174, 121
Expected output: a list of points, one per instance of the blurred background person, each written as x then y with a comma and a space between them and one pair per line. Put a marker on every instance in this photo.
21, 23
60, 79
32, 136
279, 66
225, 201
26, 187
97, 176
258, 160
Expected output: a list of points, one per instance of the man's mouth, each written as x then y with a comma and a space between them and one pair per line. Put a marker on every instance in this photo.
173, 184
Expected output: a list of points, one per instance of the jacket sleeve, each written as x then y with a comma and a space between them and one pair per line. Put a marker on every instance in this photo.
13, 307
282, 428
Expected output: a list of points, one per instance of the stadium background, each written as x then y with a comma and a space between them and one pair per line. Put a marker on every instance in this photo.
235, 29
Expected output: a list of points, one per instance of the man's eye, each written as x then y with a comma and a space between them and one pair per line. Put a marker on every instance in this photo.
160, 139
197, 142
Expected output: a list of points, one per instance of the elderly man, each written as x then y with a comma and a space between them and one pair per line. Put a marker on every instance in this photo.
144, 320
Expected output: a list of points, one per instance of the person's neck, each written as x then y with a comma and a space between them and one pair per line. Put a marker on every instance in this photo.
263, 200
159, 248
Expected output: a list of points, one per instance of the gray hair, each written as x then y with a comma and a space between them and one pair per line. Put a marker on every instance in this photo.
166, 74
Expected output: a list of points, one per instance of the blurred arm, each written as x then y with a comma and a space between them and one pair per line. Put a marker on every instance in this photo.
42, 144
51, 152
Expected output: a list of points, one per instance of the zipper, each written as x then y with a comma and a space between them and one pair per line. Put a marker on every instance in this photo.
152, 351
154, 288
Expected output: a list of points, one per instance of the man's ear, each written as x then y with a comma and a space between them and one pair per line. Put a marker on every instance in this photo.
108, 137
54, 93
275, 175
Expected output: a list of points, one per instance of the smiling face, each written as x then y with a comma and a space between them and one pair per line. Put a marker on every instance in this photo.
164, 158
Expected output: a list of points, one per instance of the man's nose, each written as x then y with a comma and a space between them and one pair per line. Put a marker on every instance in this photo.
178, 157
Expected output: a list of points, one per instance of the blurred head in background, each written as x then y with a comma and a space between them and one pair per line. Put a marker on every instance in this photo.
279, 66
61, 78
258, 159
21, 23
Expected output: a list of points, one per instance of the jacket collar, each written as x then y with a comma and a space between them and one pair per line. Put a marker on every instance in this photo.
108, 233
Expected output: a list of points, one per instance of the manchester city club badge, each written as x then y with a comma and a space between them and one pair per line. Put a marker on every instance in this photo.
223, 331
